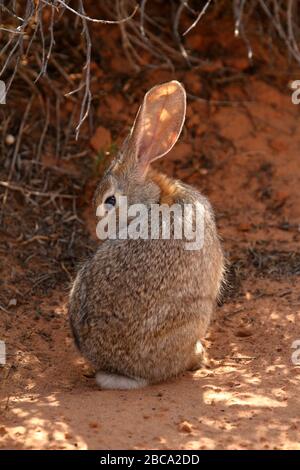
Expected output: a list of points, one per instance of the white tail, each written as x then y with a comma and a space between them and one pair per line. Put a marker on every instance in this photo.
108, 381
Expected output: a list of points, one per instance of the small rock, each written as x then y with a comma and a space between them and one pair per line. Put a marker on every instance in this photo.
244, 332
12, 302
10, 139
186, 427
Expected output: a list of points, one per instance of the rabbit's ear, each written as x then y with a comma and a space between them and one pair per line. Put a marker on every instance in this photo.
159, 122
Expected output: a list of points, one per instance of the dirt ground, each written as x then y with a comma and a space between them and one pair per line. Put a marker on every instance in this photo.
241, 149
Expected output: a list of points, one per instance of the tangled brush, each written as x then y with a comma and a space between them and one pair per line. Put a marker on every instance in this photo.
31, 33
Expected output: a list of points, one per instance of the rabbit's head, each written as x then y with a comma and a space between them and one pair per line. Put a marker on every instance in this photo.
155, 131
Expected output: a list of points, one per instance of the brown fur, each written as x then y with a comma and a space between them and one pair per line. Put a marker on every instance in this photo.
170, 190
139, 307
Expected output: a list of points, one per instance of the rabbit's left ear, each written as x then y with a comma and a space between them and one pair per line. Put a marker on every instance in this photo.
159, 122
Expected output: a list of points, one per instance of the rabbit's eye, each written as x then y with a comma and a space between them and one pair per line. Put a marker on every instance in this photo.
111, 200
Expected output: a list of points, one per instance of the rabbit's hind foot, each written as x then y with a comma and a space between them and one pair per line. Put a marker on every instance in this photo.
199, 358
107, 381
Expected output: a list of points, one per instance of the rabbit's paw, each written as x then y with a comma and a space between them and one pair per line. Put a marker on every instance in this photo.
108, 381
199, 357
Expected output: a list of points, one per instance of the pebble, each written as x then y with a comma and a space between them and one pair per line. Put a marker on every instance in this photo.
10, 139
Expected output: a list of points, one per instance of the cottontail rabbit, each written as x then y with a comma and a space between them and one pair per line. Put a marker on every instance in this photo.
139, 307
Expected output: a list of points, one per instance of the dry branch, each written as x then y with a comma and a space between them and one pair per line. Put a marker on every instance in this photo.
30, 29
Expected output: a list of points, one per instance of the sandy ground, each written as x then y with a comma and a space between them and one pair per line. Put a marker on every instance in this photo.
245, 157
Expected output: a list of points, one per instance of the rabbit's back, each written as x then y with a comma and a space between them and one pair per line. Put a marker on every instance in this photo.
138, 307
